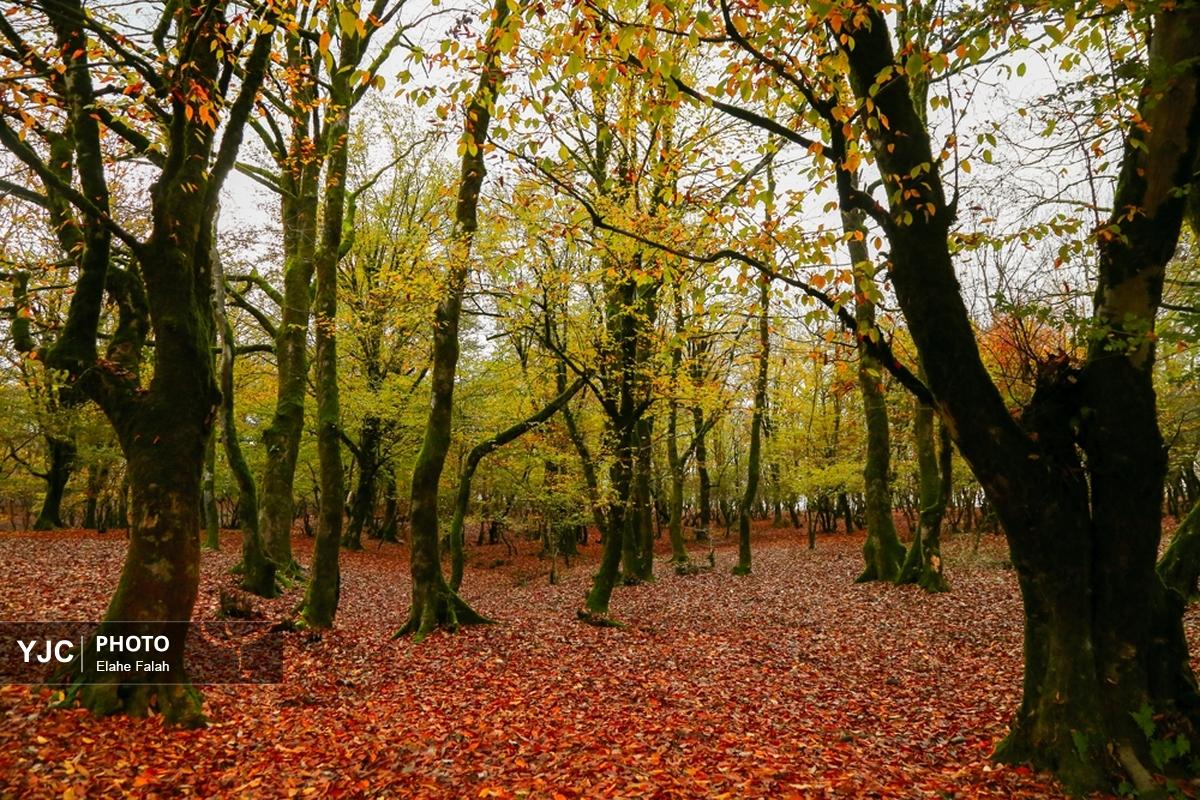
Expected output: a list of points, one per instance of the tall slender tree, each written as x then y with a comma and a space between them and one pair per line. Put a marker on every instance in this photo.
434, 603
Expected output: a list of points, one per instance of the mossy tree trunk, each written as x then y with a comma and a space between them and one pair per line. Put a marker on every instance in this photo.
643, 528
299, 162
923, 565
162, 427
258, 570
337, 237
434, 604
753, 456
883, 553
1103, 640
619, 365
281, 437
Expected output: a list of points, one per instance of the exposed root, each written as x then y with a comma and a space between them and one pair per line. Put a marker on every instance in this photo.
446, 611
598, 620
180, 705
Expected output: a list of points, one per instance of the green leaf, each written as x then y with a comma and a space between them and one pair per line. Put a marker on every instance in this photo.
914, 65
1144, 717
348, 21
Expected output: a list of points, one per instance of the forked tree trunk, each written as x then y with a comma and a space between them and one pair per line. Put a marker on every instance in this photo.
163, 428
1103, 641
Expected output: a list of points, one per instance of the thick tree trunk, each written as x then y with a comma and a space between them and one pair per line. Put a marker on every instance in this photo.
161, 576
1102, 641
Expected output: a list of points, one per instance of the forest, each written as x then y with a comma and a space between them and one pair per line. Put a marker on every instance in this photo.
599, 398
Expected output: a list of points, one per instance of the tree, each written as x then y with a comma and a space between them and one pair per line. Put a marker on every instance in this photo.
166, 293
1076, 479
753, 456
434, 603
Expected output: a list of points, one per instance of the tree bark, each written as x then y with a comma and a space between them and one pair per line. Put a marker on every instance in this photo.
1102, 640
434, 603
923, 566
882, 550
756, 424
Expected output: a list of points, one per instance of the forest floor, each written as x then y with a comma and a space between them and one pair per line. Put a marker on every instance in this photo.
792, 682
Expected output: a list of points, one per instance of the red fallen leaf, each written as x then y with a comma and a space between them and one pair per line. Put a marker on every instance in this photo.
719, 686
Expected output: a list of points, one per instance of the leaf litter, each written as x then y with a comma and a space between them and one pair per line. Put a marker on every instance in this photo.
791, 682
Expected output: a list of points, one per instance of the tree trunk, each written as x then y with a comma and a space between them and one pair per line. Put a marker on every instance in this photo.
363, 503
1179, 567
756, 424
463, 496
258, 570
58, 473
643, 498
325, 582
703, 480
679, 554
211, 514
923, 566
281, 438
882, 550
434, 603
1103, 641
595, 609
161, 576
